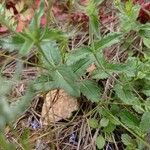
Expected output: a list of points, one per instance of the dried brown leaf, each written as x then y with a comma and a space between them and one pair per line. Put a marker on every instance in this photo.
58, 105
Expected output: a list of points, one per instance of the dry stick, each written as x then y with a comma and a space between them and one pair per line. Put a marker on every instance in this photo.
83, 39
18, 143
90, 134
115, 142
79, 141
56, 134
94, 137
56, 129
34, 112
107, 88
87, 136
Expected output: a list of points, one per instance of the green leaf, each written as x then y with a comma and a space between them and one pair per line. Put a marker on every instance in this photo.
35, 23
109, 128
65, 78
98, 2
125, 94
51, 54
109, 69
129, 7
128, 18
24, 139
26, 47
4, 144
2, 123
138, 107
145, 30
93, 123
107, 41
145, 122
115, 109
104, 122
146, 42
44, 86
147, 104
129, 68
53, 34
146, 87
78, 54
79, 68
129, 119
94, 24
100, 74
127, 140
91, 8
91, 90
92, 12
146, 92
115, 67
44, 83
106, 113
6, 86
11, 43
100, 142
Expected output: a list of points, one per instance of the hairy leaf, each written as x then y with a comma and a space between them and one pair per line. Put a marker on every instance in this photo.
53, 34
104, 122
109, 68
127, 140
93, 123
125, 94
35, 23
146, 87
107, 41
129, 119
11, 43
79, 68
145, 30
109, 128
44, 83
100, 142
91, 90
100, 74
78, 54
145, 122
26, 47
51, 54
65, 78
94, 24
146, 42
